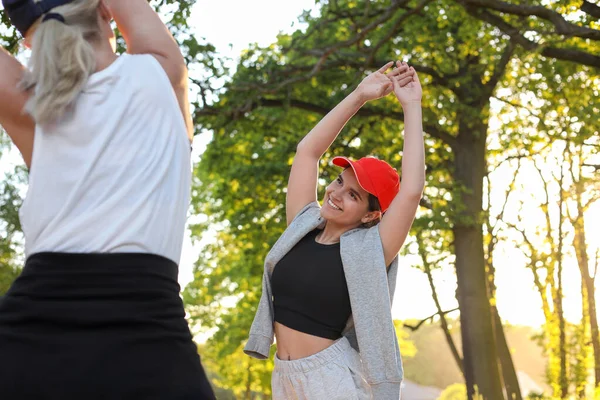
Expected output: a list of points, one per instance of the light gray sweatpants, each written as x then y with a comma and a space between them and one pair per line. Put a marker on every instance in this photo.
332, 374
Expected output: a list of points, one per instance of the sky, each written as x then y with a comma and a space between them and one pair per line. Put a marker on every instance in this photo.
231, 26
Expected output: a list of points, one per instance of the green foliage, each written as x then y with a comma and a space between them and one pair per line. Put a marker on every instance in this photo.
407, 347
10, 227
434, 365
243, 376
10, 200
537, 396
457, 391
558, 132
580, 361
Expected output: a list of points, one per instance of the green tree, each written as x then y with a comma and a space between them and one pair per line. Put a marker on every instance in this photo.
562, 101
10, 227
280, 104
458, 391
10, 200
462, 49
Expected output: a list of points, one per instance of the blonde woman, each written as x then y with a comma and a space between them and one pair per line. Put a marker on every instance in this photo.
96, 312
329, 280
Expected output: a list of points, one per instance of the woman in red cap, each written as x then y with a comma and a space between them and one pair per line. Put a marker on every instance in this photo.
96, 312
329, 279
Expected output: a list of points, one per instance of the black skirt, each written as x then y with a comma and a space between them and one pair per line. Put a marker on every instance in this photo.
98, 326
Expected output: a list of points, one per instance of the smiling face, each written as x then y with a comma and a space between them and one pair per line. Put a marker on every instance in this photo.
346, 203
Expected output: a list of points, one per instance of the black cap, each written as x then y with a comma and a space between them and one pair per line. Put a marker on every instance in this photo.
24, 13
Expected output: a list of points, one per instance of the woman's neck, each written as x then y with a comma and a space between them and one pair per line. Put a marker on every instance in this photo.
105, 55
332, 233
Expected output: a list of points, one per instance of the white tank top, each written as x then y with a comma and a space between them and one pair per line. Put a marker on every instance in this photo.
114, 175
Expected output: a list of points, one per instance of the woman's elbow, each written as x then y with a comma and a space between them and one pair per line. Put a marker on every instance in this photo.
413, 190
303, 148
178, 75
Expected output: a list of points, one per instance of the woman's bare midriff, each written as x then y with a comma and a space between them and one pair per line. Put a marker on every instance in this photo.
293, 345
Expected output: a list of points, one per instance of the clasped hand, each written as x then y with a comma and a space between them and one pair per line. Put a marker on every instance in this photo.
402, 80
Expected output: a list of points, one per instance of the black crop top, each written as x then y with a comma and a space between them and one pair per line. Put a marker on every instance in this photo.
310, 293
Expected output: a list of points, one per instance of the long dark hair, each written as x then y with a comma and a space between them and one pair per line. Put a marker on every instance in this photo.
373, 206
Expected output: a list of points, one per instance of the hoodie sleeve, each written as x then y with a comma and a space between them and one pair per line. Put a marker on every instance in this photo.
261, 333
370, 299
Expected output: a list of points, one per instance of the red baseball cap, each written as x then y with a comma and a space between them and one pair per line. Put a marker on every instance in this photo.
375, 176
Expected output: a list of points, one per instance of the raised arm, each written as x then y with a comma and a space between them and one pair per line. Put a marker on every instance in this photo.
19, 126
145, 33
302, 185
396, 222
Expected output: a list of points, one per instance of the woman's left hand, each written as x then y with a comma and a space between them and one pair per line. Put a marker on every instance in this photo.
407, 86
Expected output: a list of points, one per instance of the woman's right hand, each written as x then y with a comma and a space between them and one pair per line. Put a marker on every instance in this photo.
377, 84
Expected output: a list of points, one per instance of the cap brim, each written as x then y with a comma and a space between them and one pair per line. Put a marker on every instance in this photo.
341, 161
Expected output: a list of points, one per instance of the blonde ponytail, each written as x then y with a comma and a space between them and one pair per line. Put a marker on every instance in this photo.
62, 60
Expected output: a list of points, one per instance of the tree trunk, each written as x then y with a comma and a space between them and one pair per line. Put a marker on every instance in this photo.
581, 373
443, 322
507, 367
558, 300
509, 374
580, 244
479, 347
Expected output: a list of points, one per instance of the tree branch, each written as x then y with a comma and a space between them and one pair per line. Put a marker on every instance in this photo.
597, 264
590, 9
595, 166
394, 30
563, 27
565, 54
426, 203
501, 66
444, 324
508, 192
432, 130
415, 327
530, 111
383, 17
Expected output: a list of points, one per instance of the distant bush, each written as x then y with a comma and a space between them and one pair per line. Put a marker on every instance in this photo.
457, 391
537, 396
